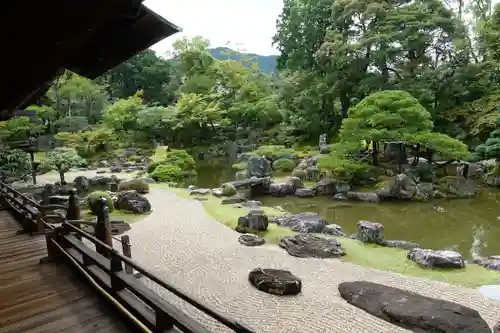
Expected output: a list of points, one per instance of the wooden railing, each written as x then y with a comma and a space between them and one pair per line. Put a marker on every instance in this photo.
105, 268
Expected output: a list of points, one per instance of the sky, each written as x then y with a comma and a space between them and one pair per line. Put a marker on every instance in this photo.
244, 25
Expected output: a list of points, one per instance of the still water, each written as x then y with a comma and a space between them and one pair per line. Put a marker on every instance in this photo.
470, 225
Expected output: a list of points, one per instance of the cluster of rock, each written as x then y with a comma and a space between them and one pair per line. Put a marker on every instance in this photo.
131, 160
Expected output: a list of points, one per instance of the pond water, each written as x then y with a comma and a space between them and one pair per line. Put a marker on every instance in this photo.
470, 225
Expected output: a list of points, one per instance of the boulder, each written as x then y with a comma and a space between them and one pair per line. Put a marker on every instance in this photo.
492, 262
400, 244
334, 229
200, 191
131, 201
251, 240
58, 200
311, 246
437, 259
411, 310
82, 183
303, 222
325, 187
401, 187
281, 189
425, 192
217, 192
259, 166
370, 232
228, 189
115, 169
304, 193
233, 200
242, 174
255, 220
313, 173
275, 281
363, 196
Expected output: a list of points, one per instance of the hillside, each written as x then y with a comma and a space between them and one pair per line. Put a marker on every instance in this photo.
267, 64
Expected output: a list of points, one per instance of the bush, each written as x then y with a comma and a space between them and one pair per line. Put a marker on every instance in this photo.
284, 164
167, 173
138, 185
180, 158
228, 189
152, 166
93, 198
274, 151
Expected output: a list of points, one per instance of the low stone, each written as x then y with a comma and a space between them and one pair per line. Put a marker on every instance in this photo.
363, 196
200, 199
340, 196
411, 310
217, 192
437, 259
82, 183
253, 204
370, 232
115, 169
200, 191
132, 201
100, 171
58, 200
237, 206
311, 246
304, 193
303, 222
492, 263
334, 229
192, 187
228, 189
325, 187
281, 189
255, 220
242, 174
275, 281
251, 240
233, 200
400, 244
258, 166
401, 187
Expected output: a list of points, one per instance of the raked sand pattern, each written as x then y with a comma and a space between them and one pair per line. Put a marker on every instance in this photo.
202, 257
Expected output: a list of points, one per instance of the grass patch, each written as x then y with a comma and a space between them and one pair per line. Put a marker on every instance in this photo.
116, 215
160, 153
378, 257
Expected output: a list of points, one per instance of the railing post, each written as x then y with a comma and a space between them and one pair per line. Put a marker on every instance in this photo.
74, 209
52, 250
116, 267
127, 252
103, 227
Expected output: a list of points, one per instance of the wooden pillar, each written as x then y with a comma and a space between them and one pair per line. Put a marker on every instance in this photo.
73, 213
127, 252
103, 227
34, 170
375, 153
52, 250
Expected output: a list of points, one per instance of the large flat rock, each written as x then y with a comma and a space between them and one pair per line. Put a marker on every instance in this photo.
412, 311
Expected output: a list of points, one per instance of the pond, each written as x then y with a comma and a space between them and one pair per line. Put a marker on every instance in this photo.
470, 225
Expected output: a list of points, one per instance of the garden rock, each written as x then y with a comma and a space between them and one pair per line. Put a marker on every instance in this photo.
370, 232
200, 191
363, 196
115, 169
82, 183
401, 187
275, 281
132, 201
58, 200
400, 244
217, 192
191, 188
492, 263
325, 187
334, 229
304, 193
437, 259
340, 196
411, 310
251, 240
255, 220
311, 246
303, 222
313, 173
253, 205
281, 189
259, 166
233, 200
425, 192
242, 174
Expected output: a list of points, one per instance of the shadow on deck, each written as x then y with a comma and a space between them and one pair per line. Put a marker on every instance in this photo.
45, 297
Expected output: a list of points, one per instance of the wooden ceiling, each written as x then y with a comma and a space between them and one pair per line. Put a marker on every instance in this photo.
39, 39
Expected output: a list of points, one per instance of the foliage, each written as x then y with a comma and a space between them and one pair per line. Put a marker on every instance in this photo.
15, 164
138, 185
18, 129
167, 173
274, 151
491, 148
92, 201
240, 166
88, 143
284, 164
180, 158
62, 160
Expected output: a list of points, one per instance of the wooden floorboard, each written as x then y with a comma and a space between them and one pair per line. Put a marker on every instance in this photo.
46, 298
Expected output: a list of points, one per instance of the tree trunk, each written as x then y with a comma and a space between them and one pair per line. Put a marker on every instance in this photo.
61, 177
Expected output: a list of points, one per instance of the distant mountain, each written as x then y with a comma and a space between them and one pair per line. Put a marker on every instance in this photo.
267, 64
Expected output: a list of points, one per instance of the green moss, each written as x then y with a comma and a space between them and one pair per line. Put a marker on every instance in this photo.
167, 173
94, 196
138, 185
383, 258
284, 164
240, 166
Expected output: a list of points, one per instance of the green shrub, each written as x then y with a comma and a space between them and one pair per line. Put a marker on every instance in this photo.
152, 166
92, 201
228, 189
274, 151
138, 185
180, 158
284, 164
167, 173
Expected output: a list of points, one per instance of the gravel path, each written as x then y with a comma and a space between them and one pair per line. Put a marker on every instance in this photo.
202, 257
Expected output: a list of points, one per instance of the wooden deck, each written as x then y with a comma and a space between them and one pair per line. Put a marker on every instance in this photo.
49, 297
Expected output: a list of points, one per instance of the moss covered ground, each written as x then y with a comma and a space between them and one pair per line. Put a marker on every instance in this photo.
373, 256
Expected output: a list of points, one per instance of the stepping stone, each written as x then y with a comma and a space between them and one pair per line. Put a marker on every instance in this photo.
491, 292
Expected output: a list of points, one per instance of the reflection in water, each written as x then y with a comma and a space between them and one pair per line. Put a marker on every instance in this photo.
469, 225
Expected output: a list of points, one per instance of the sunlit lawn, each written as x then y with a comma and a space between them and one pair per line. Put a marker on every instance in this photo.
378, 257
